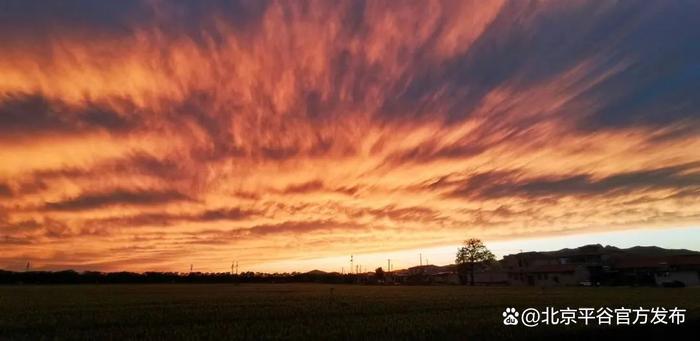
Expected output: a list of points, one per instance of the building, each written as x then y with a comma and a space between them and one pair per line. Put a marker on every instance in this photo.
678, 271
598, 265
445, 277
543, 269
493, 276
589, 265
551, 275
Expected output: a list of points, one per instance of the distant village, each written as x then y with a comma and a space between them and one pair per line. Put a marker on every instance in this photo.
590, 265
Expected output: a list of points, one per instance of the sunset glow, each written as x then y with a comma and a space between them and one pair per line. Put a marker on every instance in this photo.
149, 135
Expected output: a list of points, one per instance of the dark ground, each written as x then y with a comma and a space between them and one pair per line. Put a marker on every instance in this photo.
311, 311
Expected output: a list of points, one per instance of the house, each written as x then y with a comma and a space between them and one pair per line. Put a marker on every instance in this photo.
674, 270
445, 277
635, 271
557, 275
426, 274
587, 265
541, 269
491, 277
679, 271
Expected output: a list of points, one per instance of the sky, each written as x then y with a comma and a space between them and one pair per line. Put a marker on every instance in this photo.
287, 135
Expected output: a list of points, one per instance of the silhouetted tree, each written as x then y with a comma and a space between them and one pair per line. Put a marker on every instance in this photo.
473, 251
379, 274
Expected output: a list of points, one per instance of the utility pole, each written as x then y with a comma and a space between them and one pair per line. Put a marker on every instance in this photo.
29, 264
388, 265
420, 257
191, 267
351, 260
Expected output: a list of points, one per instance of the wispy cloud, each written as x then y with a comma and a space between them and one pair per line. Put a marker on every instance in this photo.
118, 197
198, 130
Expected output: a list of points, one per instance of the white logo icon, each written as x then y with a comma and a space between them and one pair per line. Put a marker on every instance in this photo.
510, 317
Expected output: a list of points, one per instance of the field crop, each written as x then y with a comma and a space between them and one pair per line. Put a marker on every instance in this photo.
314, 311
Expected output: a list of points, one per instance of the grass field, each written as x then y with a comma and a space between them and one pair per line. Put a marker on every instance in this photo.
309, 311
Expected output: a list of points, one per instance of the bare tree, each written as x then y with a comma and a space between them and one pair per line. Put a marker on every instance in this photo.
472, 252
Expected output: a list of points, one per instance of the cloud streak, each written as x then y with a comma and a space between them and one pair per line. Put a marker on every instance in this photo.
497, 185
89, 201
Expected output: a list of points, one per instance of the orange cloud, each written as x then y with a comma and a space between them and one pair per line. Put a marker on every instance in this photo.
149, 135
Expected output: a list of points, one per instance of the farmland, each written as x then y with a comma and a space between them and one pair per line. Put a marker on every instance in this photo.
304, 311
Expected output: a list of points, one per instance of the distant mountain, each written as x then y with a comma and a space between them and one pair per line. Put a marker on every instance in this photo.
655, 250
650, 251
316, 272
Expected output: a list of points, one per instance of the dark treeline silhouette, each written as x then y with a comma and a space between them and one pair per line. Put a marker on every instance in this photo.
94, 277
588, 265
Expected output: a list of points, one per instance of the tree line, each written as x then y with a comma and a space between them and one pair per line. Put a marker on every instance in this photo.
472, 253
94, 277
